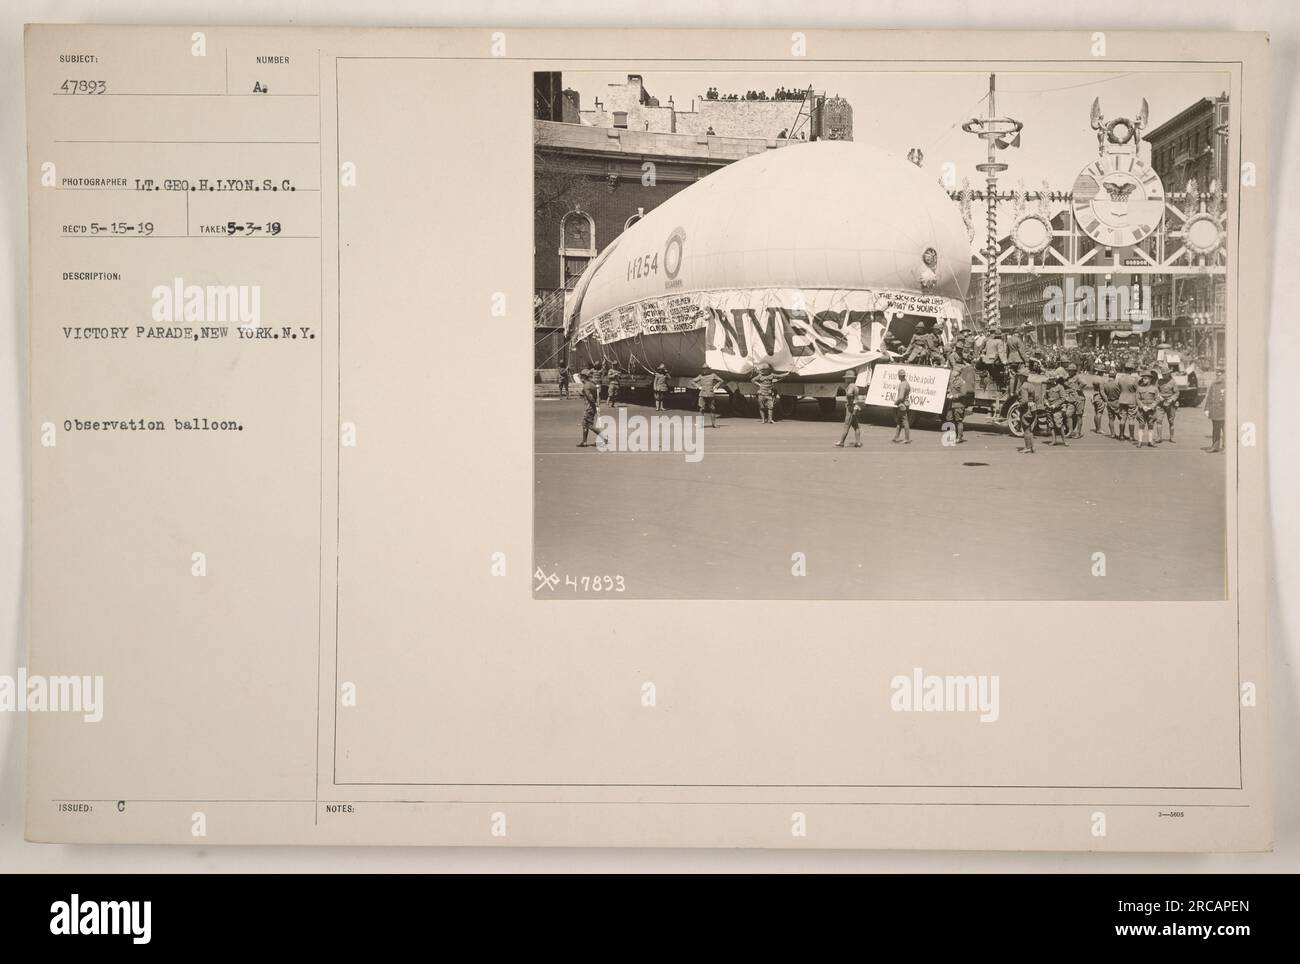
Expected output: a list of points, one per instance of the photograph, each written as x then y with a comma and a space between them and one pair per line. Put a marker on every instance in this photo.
796, 332
698, 439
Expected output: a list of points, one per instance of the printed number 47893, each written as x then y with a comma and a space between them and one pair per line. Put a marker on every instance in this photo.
84, 87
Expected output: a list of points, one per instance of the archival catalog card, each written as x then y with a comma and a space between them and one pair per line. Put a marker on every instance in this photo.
617, 438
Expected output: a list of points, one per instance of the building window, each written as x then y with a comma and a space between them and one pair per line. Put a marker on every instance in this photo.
573, 269
577, 246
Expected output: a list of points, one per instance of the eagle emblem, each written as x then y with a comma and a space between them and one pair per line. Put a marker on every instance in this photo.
1120, 192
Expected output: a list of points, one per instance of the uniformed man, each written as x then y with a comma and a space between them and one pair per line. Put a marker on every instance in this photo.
1074, 386
1099, 416
955, 413
958, 357
1032, 398
1111, 392
1017, 356
973, 345
903, 409
612, 380
564, 381
852, 411
1055, 398
1216, 407
925, 346
590, 396
1128, 384
764, 381
659, 386
1146, 410
994, 352
967, 341
1168, 390
993, 361
707, 383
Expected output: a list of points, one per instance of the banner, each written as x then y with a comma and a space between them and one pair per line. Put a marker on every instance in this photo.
805, 332
929, 387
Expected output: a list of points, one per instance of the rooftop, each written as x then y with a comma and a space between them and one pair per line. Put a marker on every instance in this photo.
606, 140
1204, 104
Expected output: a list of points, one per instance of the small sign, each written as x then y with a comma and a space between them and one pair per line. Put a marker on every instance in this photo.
929, 387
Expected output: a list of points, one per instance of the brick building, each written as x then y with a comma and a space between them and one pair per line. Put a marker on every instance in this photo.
596, 171
1192, 148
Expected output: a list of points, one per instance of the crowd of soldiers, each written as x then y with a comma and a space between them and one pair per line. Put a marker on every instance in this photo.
1132, 396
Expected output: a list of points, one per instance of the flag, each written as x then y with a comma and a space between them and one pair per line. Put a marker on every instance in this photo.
1006, 141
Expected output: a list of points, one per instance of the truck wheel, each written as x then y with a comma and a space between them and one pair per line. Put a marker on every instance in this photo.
1015, 419
785, 405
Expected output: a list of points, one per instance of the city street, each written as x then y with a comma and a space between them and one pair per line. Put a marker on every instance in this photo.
920, 521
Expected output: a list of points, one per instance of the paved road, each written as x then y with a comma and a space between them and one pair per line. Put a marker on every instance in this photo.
923, 521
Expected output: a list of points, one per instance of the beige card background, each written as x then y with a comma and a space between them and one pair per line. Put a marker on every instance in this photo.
370, 565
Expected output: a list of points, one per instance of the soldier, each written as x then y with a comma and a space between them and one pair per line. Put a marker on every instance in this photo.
1017, 356
957, 355
1074, 385
1032, 399
956, 395
612, 381
660, 386
994, 351
1098, 399
903, 409
1146, 410
924, 347
852, 402
1110, 392
1128, 385
707, 382
1168, 390
1216, 407
591, 396
1056, 398
765, 381
564, 381
966, 341
993, 361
